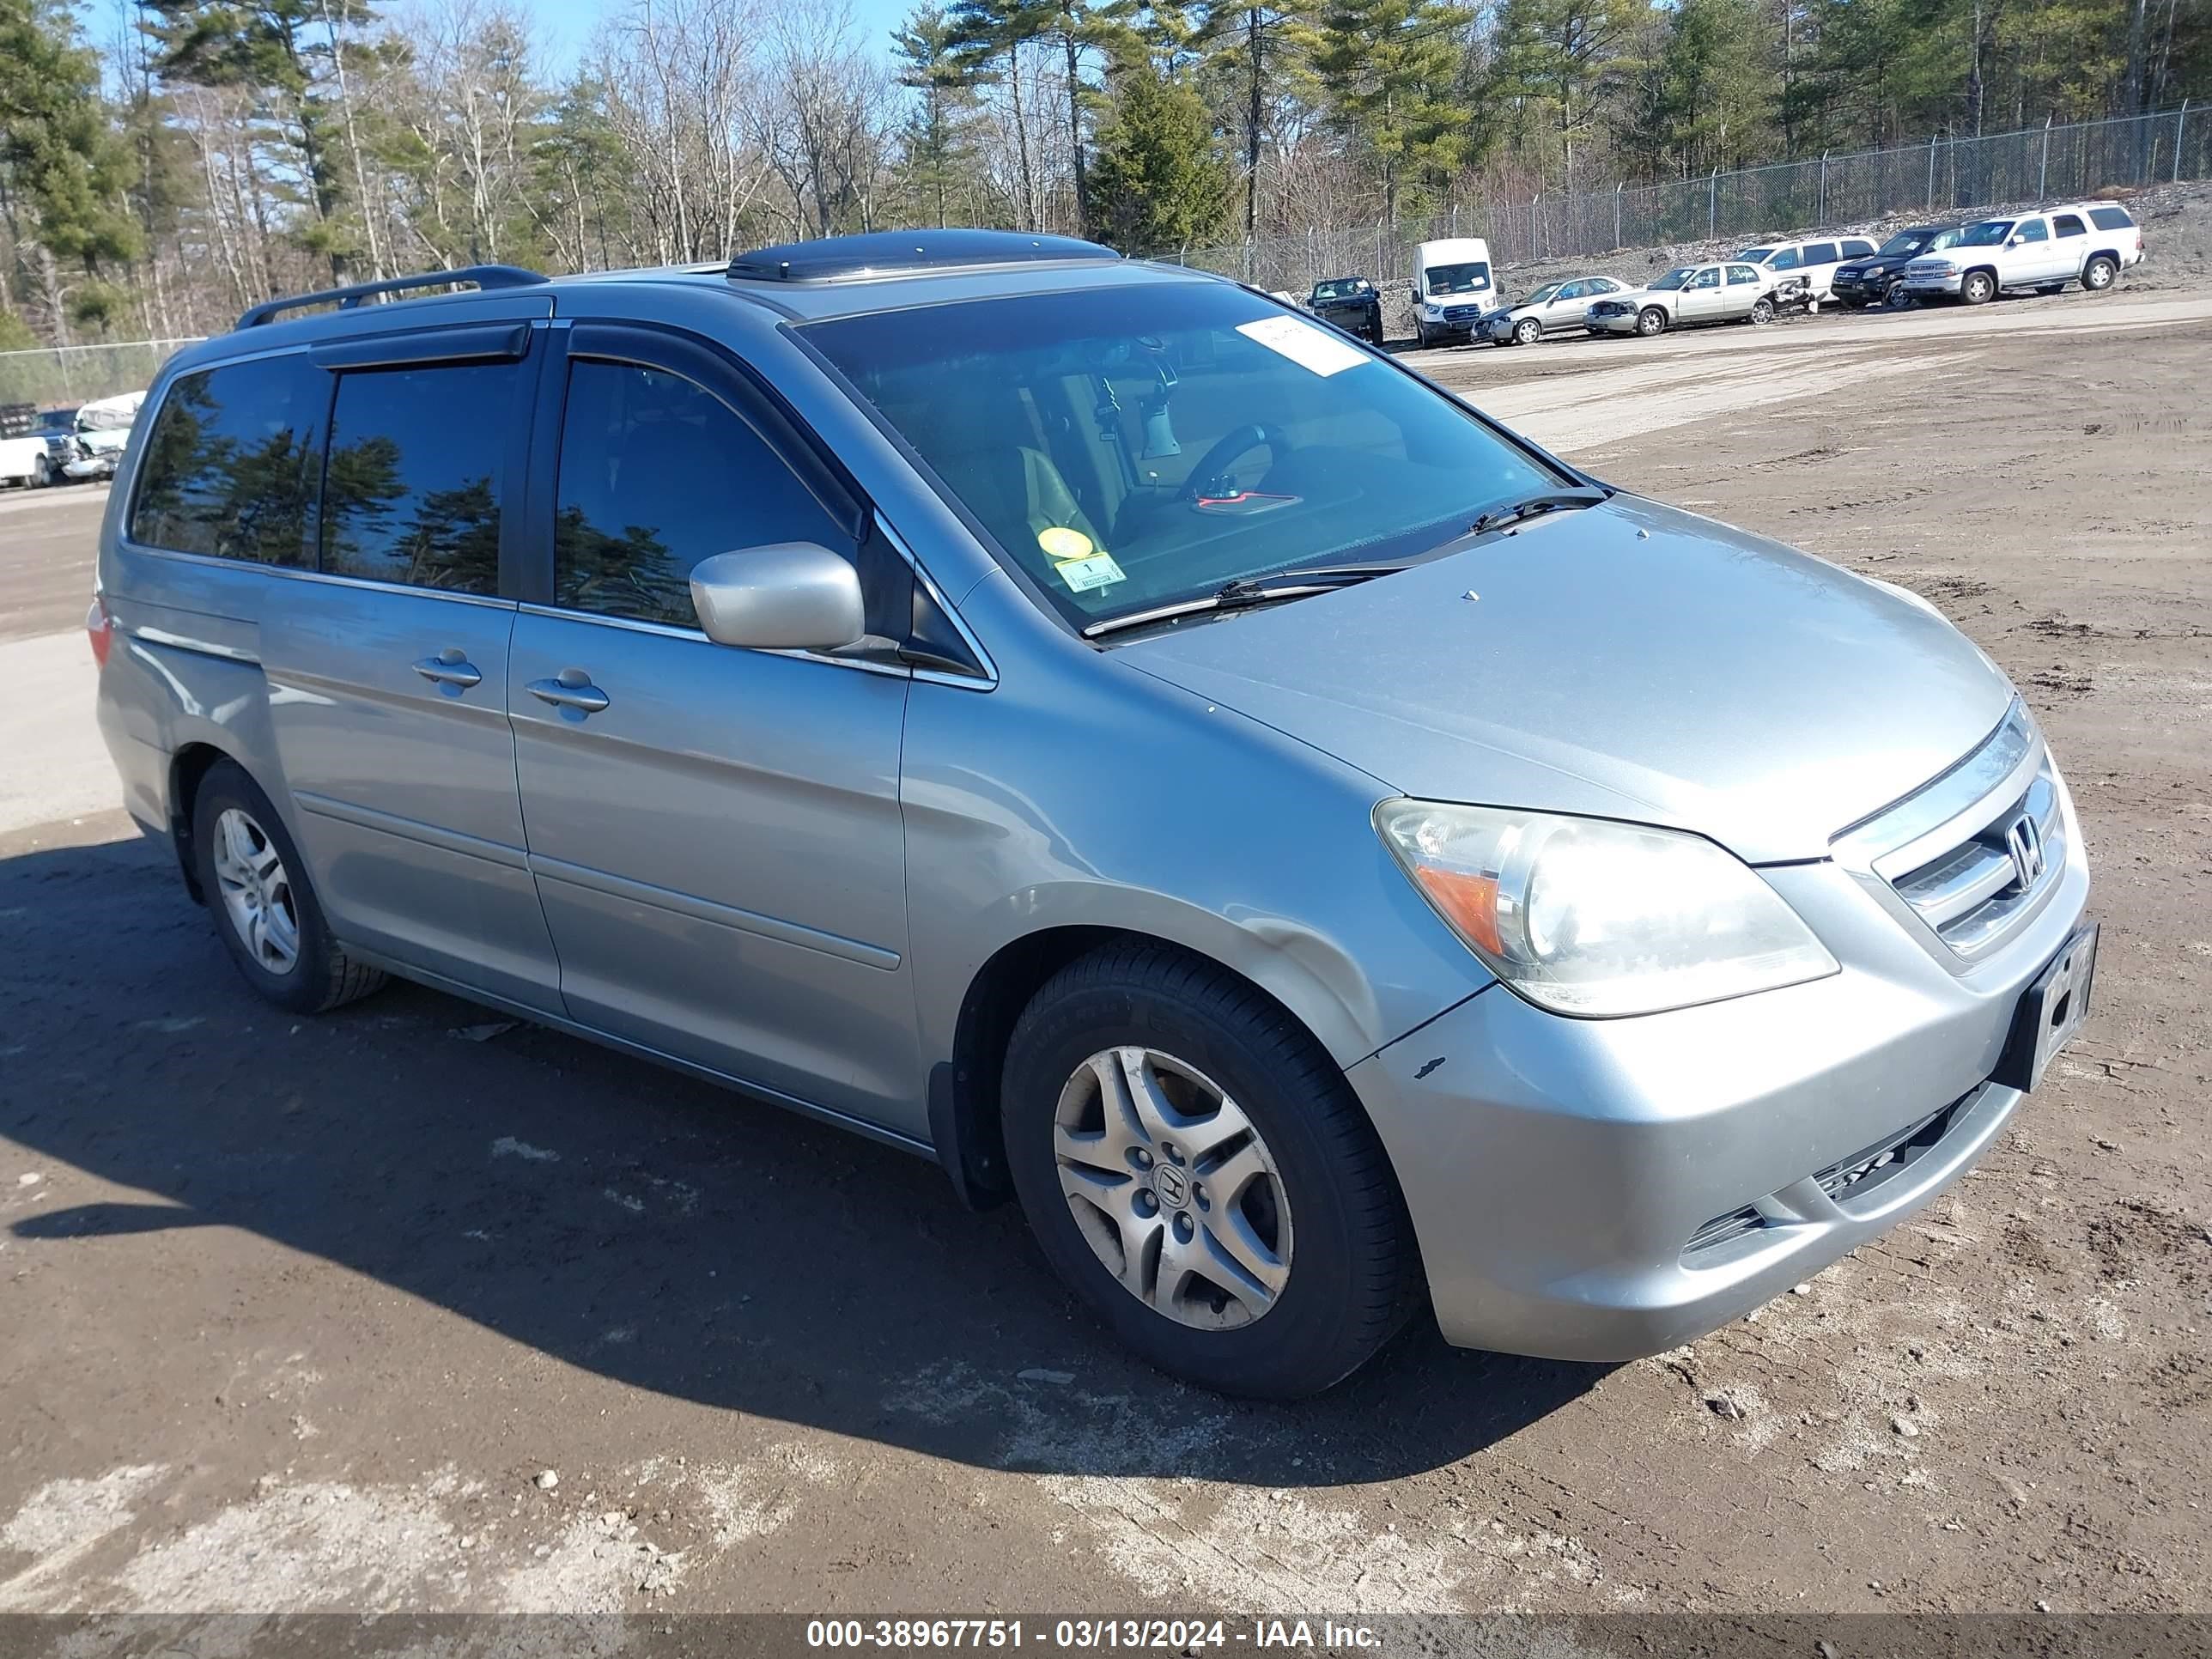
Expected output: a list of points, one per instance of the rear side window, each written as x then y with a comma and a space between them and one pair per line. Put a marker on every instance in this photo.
1857, 250
230, 463
412, 494
1739, 275
2067, 225
1820, 253
2111, 218
658, 473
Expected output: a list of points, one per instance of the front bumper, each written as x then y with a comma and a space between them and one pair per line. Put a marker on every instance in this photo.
90, 466
1860, 289
1948, 282
1571, 1181
1445, 329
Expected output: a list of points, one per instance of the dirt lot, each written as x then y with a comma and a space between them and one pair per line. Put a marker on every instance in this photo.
296, 1314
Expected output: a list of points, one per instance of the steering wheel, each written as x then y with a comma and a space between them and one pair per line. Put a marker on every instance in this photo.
1208, 479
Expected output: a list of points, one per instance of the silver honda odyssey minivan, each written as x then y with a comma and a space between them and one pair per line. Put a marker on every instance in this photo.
1076, 720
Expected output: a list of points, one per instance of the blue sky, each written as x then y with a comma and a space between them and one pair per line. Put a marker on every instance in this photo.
566, 25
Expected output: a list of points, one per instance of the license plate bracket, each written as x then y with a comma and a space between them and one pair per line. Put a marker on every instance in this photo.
2051, 1010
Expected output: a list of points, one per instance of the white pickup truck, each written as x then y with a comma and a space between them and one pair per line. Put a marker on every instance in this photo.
73, 444
2088, 243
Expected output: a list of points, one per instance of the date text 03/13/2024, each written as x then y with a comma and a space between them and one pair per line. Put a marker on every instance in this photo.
1167, 1635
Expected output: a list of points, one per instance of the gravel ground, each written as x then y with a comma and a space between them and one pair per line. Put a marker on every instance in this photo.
407, 1308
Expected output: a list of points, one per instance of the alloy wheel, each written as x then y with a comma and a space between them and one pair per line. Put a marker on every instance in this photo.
1172, 1187
257, 891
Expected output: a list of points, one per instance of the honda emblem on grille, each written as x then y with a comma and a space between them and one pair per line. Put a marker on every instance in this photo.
2024, 842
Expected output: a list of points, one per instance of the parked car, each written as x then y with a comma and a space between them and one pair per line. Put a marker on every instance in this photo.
1344, 856
1880, 278
92, 440
1352, 304
1452, 286
1547, 310
1730, 292
26, 439
2090, 243
1814, 261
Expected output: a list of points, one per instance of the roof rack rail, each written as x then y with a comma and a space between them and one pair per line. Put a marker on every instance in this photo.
484, 276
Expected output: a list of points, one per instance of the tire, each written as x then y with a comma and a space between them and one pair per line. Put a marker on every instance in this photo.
1978, 288
1528, 331
1650, 322
2098, 274
1420, 336
316, 974
1762, 312
1316, 1203
42, 473
1896, 296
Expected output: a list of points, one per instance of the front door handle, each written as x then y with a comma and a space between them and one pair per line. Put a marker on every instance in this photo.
572, 689
450, 667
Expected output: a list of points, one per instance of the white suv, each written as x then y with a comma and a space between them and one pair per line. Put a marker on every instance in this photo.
1814, 261
2088, 243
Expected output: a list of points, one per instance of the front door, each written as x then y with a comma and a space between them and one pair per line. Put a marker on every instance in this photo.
1701, 297
715, 831
1565, 309
387, 670
2030, 254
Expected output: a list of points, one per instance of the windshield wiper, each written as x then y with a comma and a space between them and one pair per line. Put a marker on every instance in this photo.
1246, 591
1551, 500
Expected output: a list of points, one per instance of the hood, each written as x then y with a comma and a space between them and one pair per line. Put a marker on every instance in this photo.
1627, 661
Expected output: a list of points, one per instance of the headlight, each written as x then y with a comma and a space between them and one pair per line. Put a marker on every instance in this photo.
1586, 916
1433, 309
1873, 272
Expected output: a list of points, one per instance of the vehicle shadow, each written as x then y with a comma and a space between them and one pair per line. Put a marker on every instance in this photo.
550, 1191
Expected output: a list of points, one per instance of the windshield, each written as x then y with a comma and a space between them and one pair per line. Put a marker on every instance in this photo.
1470, 278
1987, 233
57, 420
1905, 242
1129, 447
1540, 295
1344, 287
1676, 277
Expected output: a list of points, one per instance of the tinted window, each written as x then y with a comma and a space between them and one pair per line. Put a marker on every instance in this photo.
228, 465
2067, 225
1820, 253
2031, 230
1855, 249
2111, 218
412, 492
656, 474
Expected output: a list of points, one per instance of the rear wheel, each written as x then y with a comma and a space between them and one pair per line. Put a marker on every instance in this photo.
1528, 331
1649, 321
1979, 287
1762, 311
2097, 276
256, 884
1194, 1165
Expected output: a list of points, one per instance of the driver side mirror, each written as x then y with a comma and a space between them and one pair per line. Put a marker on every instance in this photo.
2017, 241
785, 595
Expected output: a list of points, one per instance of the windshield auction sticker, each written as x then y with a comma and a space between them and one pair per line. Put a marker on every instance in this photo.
1303, 345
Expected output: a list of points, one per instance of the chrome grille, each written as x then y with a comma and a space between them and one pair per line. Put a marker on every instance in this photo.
1974, 853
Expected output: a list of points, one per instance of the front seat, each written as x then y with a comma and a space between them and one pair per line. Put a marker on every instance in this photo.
985, 451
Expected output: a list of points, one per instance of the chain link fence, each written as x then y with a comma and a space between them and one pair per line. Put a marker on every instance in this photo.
55, 377
1939, 178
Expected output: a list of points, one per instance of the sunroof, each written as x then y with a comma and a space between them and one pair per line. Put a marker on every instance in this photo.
883, 253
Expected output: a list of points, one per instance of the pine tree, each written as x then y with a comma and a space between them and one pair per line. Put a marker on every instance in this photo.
935, 141
991, 31
1386, 70
1160, 183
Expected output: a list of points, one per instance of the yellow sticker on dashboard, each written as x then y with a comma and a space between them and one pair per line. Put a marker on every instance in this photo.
1062, 543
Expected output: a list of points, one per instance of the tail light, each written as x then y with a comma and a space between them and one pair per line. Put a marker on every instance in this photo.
100, 628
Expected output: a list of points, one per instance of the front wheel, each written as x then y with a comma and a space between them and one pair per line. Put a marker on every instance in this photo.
42, 472
1979, 287
1650, 321
1528, 331
1762, 312
265, 910
1195, 1167
2097, 276
1896, 296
